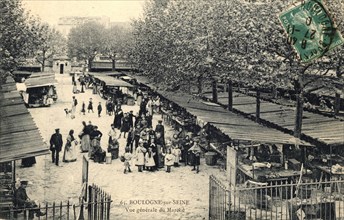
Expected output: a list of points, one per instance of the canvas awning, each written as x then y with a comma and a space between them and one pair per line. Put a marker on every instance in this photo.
19, 135
40, 80
110, 81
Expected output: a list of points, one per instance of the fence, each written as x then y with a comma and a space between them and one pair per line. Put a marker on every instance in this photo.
99, 204
277, 201
98, 208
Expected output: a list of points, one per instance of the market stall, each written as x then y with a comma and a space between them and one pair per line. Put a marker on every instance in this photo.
114, 88
20, 139
40, 90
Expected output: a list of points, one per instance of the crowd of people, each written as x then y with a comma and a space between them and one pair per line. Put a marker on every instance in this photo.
145, 147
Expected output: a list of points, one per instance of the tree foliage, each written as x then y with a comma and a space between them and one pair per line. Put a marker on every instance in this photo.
23, 36
16, 35
86, 41
180, 41
117, 42
49, 42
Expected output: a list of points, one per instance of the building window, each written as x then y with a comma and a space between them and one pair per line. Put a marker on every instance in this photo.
57, 63
66, 63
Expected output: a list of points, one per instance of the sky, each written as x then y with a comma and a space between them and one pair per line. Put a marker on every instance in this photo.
117, 10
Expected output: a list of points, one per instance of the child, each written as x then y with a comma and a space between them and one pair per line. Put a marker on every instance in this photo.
127, 156
196, 152
83, 108
168, 144
90, 106
99, 108
75, 89
140, 157
169, 160
176, 153
149, 159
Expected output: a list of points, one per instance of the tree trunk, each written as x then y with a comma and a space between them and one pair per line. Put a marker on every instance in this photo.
89, 65
299, 115
337, 104
199, 85
230, 95
189, 87
43, 61
43, 65
274, 92
113, 64
257, 105
299, 108
214, 85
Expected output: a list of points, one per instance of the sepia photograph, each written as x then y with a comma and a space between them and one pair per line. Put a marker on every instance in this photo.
172, 109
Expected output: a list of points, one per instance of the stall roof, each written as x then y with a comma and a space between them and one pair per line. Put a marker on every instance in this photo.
110, 81
326, 130
19, 72
106, 74
41, 79
234, 126
19, 135
40, 74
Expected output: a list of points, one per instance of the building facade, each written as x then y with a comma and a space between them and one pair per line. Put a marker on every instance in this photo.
65, 24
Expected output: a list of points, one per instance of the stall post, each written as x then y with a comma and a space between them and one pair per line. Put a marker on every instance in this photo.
214, 90
230, 95
231, 165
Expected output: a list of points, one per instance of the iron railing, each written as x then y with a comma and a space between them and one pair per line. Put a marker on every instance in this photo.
277, 201
97, 207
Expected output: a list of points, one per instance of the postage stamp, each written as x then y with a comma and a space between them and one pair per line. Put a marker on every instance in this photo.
310, 29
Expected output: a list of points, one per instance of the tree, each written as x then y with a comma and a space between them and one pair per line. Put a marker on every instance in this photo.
171, 42
276, 54
244, 41
49, 42
117, 41
16, 38
85, 41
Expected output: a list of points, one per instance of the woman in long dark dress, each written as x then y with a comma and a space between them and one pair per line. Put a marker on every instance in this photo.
125, 127
118, 118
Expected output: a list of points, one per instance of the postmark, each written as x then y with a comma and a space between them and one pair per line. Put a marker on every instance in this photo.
310, 29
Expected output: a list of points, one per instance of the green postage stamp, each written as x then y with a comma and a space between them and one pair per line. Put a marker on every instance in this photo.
310, 29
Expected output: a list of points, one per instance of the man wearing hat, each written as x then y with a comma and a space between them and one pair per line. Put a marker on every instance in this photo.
131, 118
23, 201
56, 143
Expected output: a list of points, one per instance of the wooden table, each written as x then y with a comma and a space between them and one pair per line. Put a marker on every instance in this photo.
281, 174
